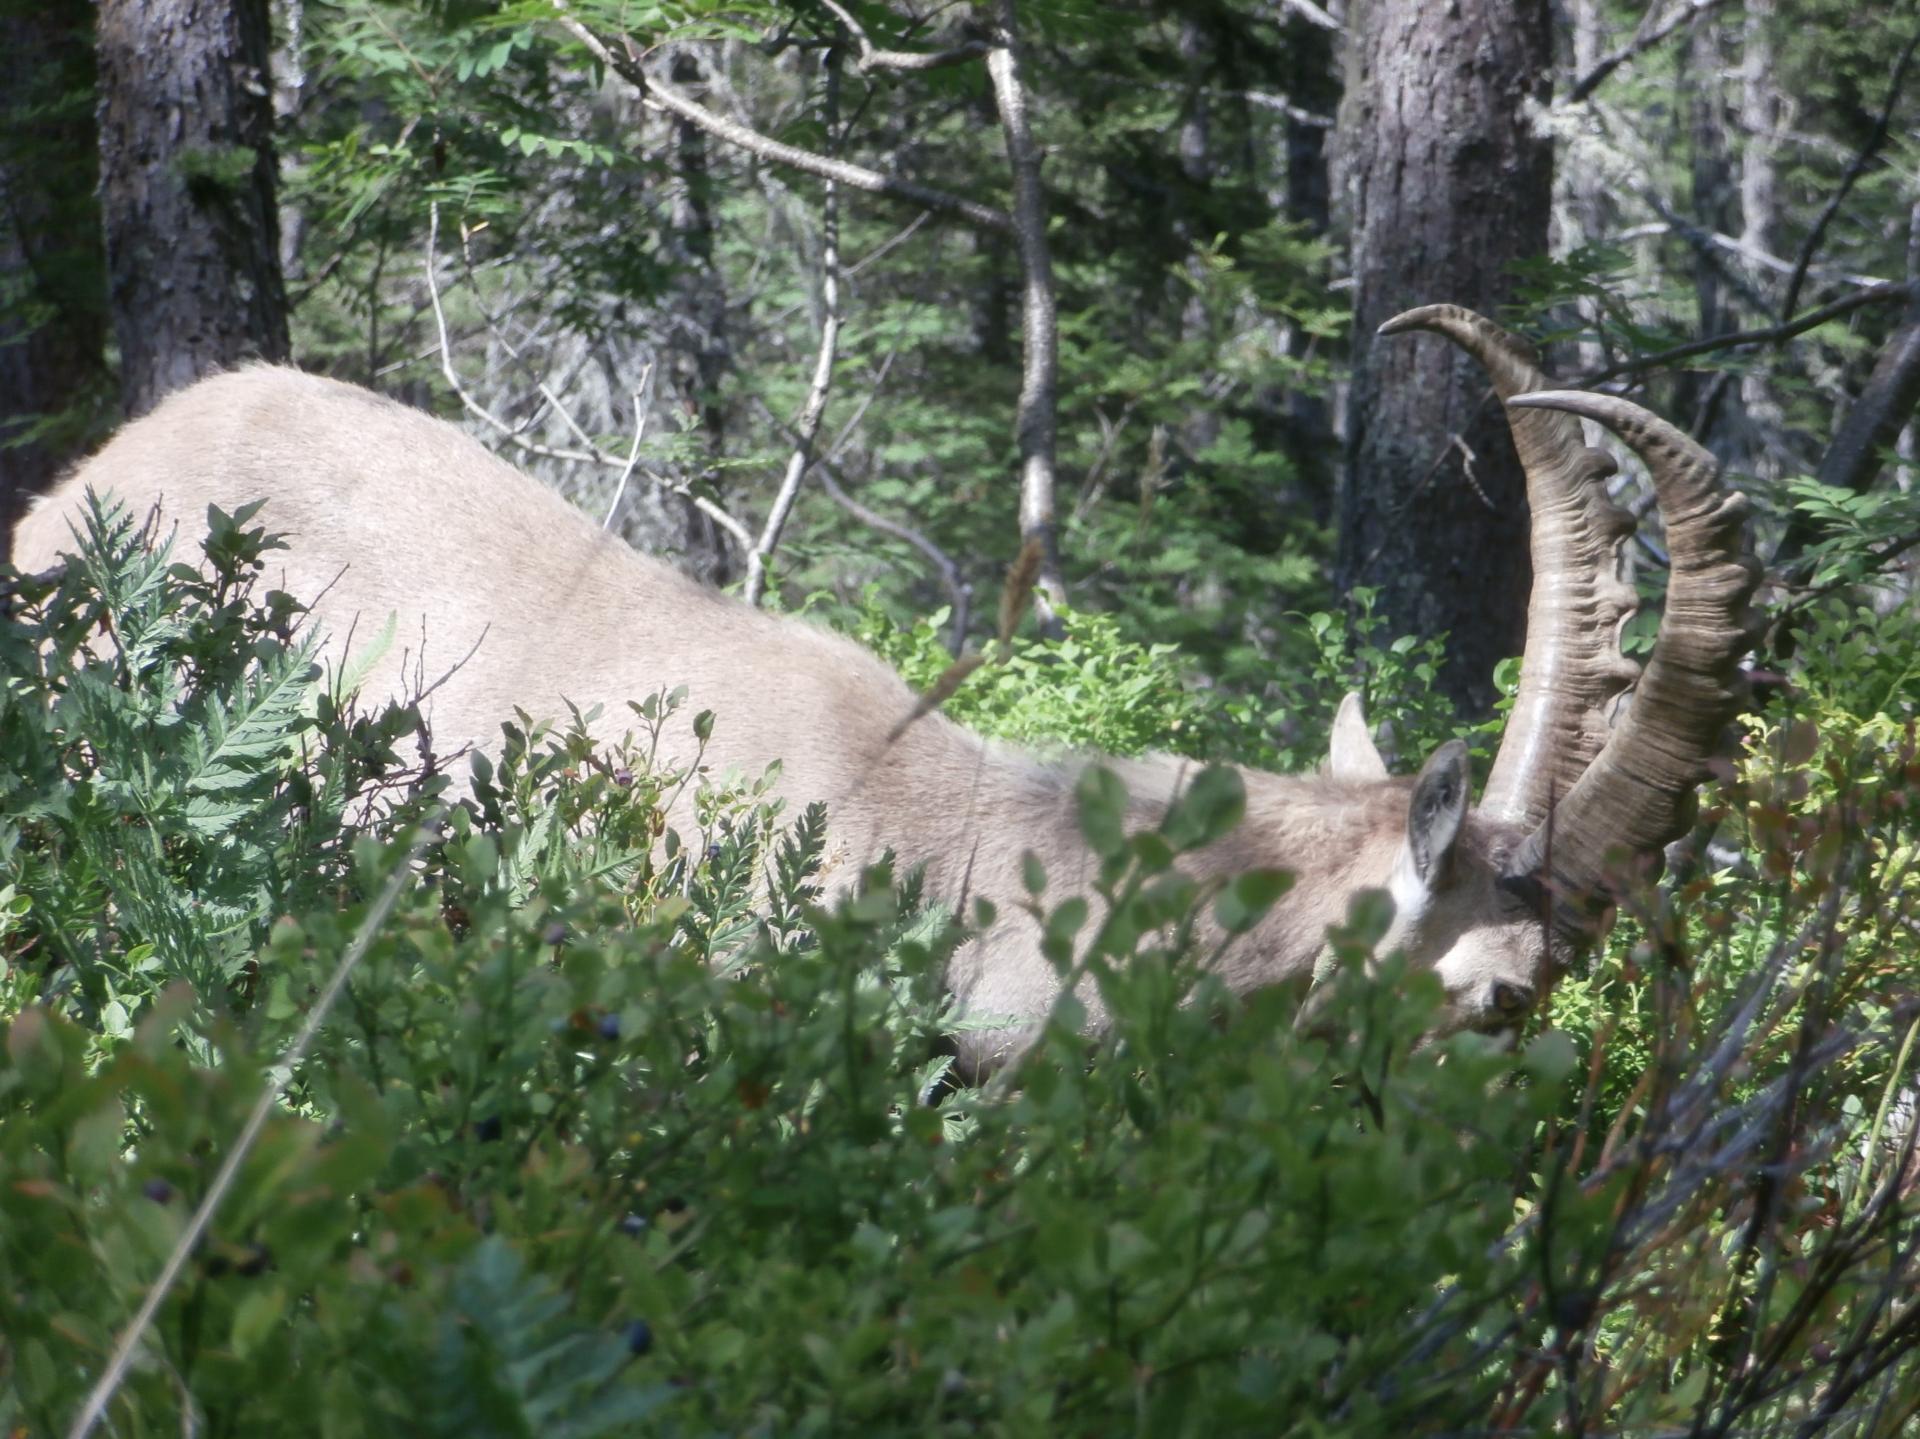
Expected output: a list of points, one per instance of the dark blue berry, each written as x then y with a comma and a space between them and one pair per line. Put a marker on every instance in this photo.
555, 933
487, 1130
639, 1337
713, 854
158, 1190
633, 1226
609, 1027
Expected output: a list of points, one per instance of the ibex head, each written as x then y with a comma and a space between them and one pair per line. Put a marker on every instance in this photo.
1456, 909
1585, 783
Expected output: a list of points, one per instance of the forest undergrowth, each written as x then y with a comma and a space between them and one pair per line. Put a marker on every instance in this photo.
614, 1130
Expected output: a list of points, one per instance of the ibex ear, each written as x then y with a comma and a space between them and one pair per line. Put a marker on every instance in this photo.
1438, 810
1351, 754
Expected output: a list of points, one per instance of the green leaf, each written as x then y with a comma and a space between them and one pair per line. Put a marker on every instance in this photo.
1102, 801
254, 1318
1206, 809
1247, 898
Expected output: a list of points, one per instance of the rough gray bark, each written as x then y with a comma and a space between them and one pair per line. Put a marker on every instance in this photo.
1449, 185
187, 190
1874, 422
1760, 120
1193, 145
702, 354
1587, 211
1313, 80
1700, 398
52, 302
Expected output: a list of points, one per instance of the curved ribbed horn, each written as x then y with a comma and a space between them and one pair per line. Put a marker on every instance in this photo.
1638, 793
1573, 670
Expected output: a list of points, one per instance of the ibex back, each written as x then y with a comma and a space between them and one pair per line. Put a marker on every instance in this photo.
389, 512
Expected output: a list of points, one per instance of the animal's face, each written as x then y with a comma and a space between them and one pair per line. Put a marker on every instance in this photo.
1457, 908
1481, 934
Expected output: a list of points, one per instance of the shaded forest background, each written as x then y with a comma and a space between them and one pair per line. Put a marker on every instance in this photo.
1711, 206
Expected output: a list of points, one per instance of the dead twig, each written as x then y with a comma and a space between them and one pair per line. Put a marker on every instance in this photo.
594, 454
806, 430
959, 589
1648, 35
660, 95
1039, 330
642, 402
1765, 335
872, 57
1875, 139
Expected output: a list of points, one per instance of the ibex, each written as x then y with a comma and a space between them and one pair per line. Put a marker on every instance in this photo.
391, 512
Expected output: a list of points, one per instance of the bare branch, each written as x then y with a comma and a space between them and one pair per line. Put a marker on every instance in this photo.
1871, 148
663, 96
1040, 358
891, 243
807, 428
872, 58
959, 589
1733, 245
1884, 406
642, 400
512, 433
594, 454
1768, 335
1700, 241
1312, 14
1645, 39
1258, 99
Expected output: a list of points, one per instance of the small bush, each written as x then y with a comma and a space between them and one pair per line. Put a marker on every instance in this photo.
617, 1128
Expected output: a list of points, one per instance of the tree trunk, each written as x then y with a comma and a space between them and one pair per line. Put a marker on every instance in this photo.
1193, 145
1313, 83
1702, 400
1450, 184
1587, 212
52, 300
187, 191
701, 354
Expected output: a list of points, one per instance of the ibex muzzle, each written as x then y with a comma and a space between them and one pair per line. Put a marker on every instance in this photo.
392, 513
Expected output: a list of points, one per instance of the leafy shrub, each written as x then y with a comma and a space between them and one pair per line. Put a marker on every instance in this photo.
1091, 689
179, 770
616, 1127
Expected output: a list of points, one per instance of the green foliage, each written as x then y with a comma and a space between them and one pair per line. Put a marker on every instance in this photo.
619, 1127
1859, 532
646, 249
178, 776
1091, 689
1807, 900
1287, 725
